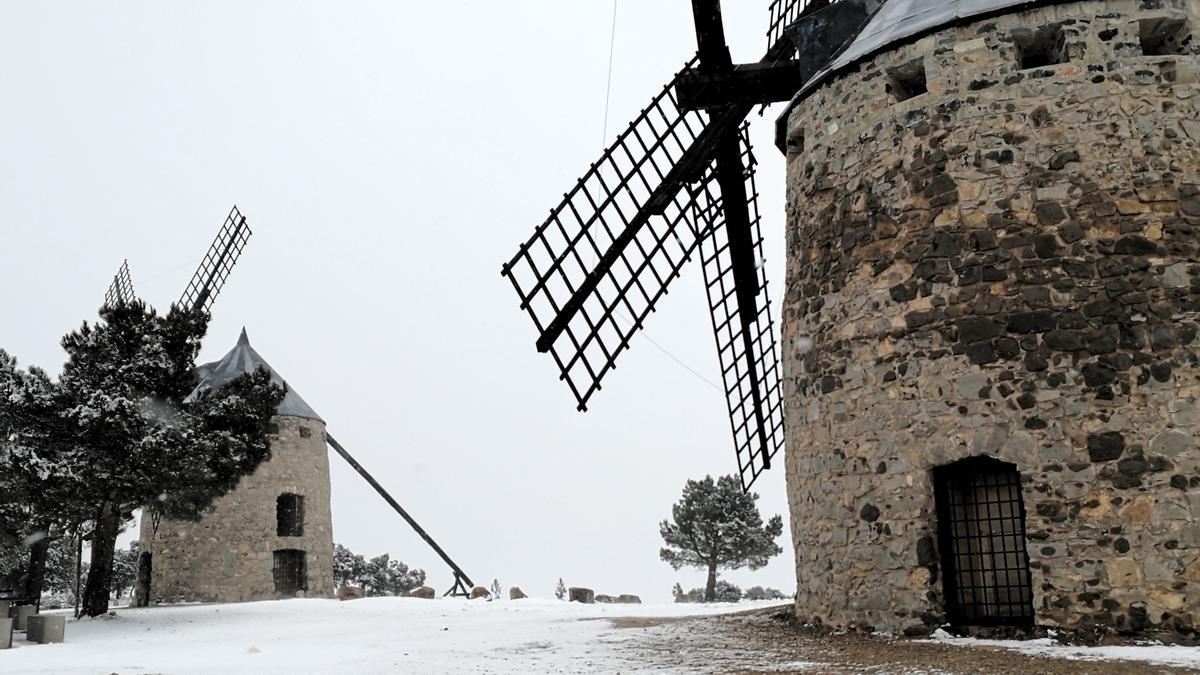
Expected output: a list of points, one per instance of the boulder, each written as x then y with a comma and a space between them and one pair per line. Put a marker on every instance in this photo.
424, 592
585, 595
628, 599
350, 593
605, 599
515, 593
480, 592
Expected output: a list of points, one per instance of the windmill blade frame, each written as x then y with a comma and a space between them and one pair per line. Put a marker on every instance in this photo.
214, 269
594, 270
744, 329
120, 291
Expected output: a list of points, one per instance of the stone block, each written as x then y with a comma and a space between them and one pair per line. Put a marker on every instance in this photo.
5, 608
21, 614
605, 599
45, 629
424, 592
628, 599
480, 592
585, 595
6, 631
350, 593
515, 593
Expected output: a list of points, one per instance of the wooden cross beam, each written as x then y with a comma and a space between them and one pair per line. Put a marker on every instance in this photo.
755, 83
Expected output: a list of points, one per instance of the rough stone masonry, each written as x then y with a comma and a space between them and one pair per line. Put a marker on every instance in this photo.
227, 556
1006, 264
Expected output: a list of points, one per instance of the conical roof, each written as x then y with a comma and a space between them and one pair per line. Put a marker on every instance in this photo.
240, 360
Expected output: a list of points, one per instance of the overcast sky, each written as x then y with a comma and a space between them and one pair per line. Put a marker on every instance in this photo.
389, 156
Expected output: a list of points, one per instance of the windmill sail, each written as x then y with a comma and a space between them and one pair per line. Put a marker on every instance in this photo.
743, 326
680, 178
214, 269
593, 271
783, 14
120, 291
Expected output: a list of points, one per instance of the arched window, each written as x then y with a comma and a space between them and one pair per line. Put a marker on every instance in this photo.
289, 515
981, 534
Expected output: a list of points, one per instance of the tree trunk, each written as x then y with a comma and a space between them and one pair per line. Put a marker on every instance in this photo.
35, 575
104, 543
710, 588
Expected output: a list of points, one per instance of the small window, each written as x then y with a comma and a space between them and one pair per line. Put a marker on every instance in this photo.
1163, 37
289, 515
907, 81
290, 572
1045, 46
981, 539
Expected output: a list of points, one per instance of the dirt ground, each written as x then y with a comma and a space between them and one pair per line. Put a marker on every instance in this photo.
770, 642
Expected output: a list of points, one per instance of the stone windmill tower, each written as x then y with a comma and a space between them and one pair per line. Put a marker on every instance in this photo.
270, 537
989, 393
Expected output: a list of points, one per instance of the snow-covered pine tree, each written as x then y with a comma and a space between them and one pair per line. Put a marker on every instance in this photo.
135, 442
677, 593
715, 525
39, 485
560, 591
124, 572
495, 591
349, 568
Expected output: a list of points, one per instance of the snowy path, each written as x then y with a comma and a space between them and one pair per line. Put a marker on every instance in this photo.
372, 635
401, 635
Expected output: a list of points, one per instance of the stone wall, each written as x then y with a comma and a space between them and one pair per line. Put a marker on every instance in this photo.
228, 555
1005, 265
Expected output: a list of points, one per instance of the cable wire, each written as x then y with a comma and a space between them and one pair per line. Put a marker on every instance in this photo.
612, 43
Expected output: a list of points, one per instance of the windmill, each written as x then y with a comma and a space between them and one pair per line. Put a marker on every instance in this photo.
678, 180
208, 280
200, 294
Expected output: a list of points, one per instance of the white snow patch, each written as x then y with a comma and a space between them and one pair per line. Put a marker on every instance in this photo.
371, 635
1149, 652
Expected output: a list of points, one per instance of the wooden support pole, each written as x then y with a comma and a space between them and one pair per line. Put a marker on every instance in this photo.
460, 577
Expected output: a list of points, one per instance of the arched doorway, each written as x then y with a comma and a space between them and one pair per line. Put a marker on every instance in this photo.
981, 536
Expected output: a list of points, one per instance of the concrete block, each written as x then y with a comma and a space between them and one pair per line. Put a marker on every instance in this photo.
6, 630
20, 615
44, 629
585, 595
5, 608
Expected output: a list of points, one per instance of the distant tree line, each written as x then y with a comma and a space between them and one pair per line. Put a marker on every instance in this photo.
378, 576
727, 592
112, 434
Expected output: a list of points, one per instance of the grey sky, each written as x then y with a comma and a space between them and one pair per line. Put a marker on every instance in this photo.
389, 156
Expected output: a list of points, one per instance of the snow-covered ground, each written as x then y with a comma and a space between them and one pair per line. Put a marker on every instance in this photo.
402, 635
1150, 652
371, 635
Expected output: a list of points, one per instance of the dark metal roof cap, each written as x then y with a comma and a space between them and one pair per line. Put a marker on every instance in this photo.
898, 21
240, 360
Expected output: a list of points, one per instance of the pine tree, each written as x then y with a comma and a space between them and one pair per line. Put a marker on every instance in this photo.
677, 593
760, 593
560, 591
39, 487
120, 436
381, 575
349, 568
716, 525
495, 589
124, 572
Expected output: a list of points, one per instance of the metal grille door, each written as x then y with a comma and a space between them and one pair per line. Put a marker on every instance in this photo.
981, 528
290, 572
